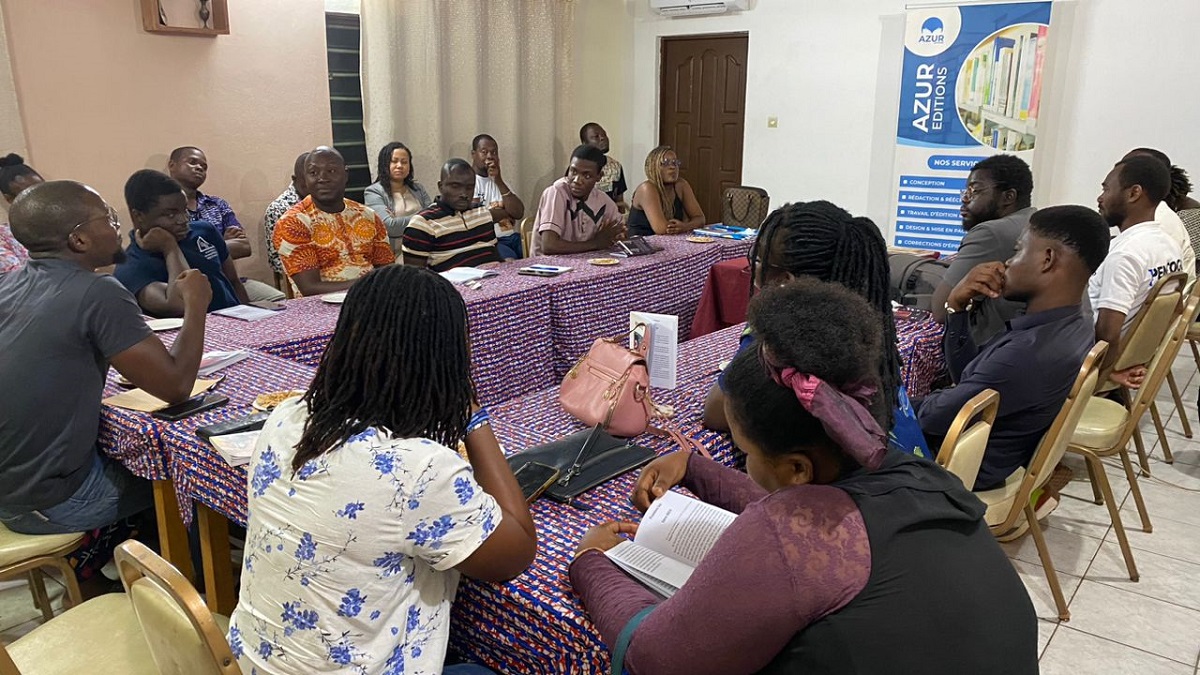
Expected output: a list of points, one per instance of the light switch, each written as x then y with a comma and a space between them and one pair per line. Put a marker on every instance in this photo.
772, 122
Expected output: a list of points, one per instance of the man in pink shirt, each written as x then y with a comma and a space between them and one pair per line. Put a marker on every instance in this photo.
573, 216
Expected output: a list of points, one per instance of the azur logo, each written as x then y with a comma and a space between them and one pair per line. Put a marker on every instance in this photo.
932, 31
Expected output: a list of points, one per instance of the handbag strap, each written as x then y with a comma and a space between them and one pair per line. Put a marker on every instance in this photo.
665, 429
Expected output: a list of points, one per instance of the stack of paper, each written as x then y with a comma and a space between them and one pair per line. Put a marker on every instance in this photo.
236, 448
211, 362
662, 353
141, 401
246, 312
461, 275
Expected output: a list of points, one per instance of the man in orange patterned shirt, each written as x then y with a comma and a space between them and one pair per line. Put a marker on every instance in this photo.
326, 242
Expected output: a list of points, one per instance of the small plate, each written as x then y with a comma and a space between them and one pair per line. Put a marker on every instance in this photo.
334, 298
604, 262
164, 324
266, 402
701, 240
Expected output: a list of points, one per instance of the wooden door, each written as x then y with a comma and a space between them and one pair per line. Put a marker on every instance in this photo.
703, 111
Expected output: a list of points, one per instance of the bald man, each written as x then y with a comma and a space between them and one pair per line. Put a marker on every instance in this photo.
296, 190
326, 242
62, 325
451, 233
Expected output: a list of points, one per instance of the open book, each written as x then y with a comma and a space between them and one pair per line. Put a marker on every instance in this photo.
675, 535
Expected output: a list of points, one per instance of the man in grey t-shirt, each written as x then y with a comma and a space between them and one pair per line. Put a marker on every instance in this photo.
62, 324
995, 210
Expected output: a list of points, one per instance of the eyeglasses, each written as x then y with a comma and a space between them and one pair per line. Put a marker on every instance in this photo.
671, 162
974, 190
113, 220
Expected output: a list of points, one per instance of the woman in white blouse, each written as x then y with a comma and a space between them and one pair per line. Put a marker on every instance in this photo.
362, 515
395, 195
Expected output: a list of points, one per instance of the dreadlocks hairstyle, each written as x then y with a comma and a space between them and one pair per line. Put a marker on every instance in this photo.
654, 177
383, 168
398, 360
818, 328
12, 167
1181, 186
822, 240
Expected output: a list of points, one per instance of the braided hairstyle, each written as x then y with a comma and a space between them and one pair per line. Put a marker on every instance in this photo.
398, 360
654, 177
1181, 186
822, 240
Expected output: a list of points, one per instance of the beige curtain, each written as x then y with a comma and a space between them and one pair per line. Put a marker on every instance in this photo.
437, 72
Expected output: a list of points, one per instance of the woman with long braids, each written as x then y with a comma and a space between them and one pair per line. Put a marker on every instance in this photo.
845, 555
822, 240
665, 202
361, 514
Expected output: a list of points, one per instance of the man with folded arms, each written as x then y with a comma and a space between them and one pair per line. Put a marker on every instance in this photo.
451, 233
189, 167
326, 242
1032, 364
573, 216
164, 244
62, 325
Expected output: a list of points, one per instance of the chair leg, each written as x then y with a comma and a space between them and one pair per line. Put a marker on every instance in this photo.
1039, 540
1131, 476
1168, 457
1114, 512
1195, 352
1096, 495
1143, 459
1179, 409
37, 584
74, 597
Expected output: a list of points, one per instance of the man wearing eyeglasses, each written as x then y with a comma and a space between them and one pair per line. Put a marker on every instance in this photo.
995, 210
62, 325
165, 243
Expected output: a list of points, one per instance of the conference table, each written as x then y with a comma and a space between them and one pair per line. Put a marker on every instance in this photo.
533, 624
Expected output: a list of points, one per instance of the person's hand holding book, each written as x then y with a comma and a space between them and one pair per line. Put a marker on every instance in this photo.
657, 478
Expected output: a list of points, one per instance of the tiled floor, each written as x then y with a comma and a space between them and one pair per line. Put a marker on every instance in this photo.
1147, 627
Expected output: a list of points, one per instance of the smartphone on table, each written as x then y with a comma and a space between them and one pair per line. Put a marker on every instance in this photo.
196, 404
269, 304
534, 478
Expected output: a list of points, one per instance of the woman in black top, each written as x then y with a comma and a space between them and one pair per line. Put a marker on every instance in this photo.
664, 203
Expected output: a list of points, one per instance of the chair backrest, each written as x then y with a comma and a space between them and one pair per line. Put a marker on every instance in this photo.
184, 638
526, 230
1160, 365
962, 449
1056, 440
7, 667
1153, 321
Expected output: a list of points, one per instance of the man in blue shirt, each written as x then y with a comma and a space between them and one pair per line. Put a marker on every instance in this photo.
1034, 363
164, 245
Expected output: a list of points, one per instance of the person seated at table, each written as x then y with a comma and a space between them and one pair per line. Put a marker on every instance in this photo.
164, 244
1137, 258
665, 202
836, 536
15, 177
362, 514
62, 325
327, 242
451, 232
296, 190
995, 210
612, 176
1033, 364
494, 194
189, 167
395, 195
573, 216
822, 240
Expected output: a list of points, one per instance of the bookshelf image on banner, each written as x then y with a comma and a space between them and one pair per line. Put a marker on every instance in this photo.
1000, 86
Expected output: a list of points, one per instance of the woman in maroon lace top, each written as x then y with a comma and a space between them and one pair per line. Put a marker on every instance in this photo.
846, 556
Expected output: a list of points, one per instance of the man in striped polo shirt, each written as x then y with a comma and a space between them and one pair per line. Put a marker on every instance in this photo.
450, 233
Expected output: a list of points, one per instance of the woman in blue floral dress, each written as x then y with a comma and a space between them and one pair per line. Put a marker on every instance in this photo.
362, 515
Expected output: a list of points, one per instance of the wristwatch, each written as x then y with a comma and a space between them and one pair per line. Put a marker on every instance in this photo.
969, 306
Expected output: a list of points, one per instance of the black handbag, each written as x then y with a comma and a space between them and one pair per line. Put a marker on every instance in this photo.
584, 459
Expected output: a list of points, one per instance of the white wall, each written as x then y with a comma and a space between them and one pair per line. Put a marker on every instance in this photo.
817, 67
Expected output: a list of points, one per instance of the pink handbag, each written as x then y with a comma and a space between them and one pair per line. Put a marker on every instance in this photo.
610, 387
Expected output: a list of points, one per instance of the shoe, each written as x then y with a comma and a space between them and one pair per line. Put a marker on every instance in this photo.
1044, 504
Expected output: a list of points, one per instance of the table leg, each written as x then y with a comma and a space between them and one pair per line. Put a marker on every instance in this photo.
218, 569
172, 534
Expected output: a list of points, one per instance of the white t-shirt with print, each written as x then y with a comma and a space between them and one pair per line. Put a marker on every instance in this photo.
1137, 259
1174, 227
349, 564
488, 194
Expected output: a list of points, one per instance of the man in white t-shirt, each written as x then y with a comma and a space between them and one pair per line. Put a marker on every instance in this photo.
491, 191
1139, 256
1166, 216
